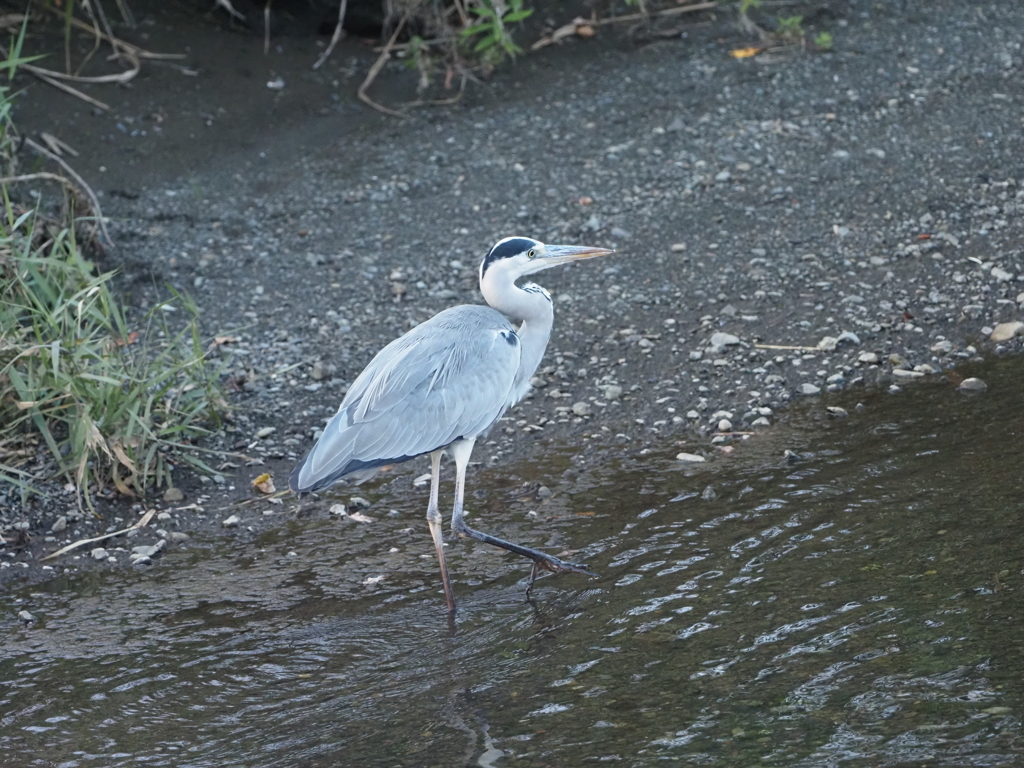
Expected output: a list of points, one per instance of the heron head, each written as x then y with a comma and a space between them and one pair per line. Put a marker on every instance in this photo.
518, 256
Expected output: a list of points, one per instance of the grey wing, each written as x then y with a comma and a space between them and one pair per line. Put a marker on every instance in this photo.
449, 378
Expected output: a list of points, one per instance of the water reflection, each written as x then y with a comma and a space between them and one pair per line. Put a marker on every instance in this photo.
855, 608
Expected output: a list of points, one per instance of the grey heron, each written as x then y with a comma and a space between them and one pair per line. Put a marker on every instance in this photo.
443, 385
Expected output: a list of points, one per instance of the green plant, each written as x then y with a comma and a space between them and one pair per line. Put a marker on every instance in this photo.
493, 40
823, 40
747, 5
791, 28
114, 403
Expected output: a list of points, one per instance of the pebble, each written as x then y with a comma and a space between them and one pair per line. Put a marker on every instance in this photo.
901, 373
99, 554
848, 336
266, 432
342, 510
835, 412
581, 408
709, 494
692, 457
360, 502
59, 524
148, 550
809, 389
178, 536
720, 340
760, 421
612, 392
230, 522
26, 616
174, 494
1001, 275
867, 357
1007, 331
724, 425
972, 385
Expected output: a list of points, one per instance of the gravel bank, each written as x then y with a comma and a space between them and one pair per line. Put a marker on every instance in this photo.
786, 227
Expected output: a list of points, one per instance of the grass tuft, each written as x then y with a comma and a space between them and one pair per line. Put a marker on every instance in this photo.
114, 404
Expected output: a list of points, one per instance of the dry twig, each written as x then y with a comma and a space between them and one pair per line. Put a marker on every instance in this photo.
97, 211
142, 523
378, 65
338, 34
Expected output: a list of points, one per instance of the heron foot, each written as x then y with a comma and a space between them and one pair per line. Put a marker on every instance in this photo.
555, 564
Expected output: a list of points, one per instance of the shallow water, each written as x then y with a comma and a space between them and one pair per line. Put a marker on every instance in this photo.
859, 607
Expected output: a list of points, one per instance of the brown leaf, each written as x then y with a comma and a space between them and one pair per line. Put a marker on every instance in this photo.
264, 483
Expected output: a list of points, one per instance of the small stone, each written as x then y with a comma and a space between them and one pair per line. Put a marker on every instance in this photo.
26, 616
544, 492
724, 425
230, 522
902, 373
317, 373
1020, 298
174, 494
835, 412
867, 357
760, 421
709, 494
848, 336
360, 502
612, 392
178, 537
266, 432
99, 554
680, 247
696, 355
1007, 331
140, 560
972, 385
828, 344
149, 550
59, 524
997, 710
945, 346
1001, 275
723, 339
691, 457
581, 408
809, 389
341, 510
219, 479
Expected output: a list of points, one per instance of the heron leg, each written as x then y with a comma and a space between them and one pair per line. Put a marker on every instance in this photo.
461, 452
434, 520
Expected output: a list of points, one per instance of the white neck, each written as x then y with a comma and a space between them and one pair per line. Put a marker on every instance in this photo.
534, 313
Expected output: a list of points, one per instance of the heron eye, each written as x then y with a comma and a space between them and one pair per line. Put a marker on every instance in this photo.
531, 253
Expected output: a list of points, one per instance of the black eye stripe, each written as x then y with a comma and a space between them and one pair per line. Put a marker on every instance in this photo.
506, 249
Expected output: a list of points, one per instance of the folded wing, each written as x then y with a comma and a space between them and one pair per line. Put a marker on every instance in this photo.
448, 378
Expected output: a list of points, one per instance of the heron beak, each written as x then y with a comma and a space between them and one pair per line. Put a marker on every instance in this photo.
559, 254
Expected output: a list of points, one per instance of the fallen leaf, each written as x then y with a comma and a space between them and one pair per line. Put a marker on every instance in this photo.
264, 483
744, 53
219, 341
132, 338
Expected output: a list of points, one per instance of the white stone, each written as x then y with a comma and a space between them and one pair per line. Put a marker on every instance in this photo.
581, 408
1007, 331
692, 457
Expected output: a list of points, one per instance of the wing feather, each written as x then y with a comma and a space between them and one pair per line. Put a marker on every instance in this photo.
449, 378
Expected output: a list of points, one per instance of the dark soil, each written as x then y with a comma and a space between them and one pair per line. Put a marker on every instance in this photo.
877, 190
